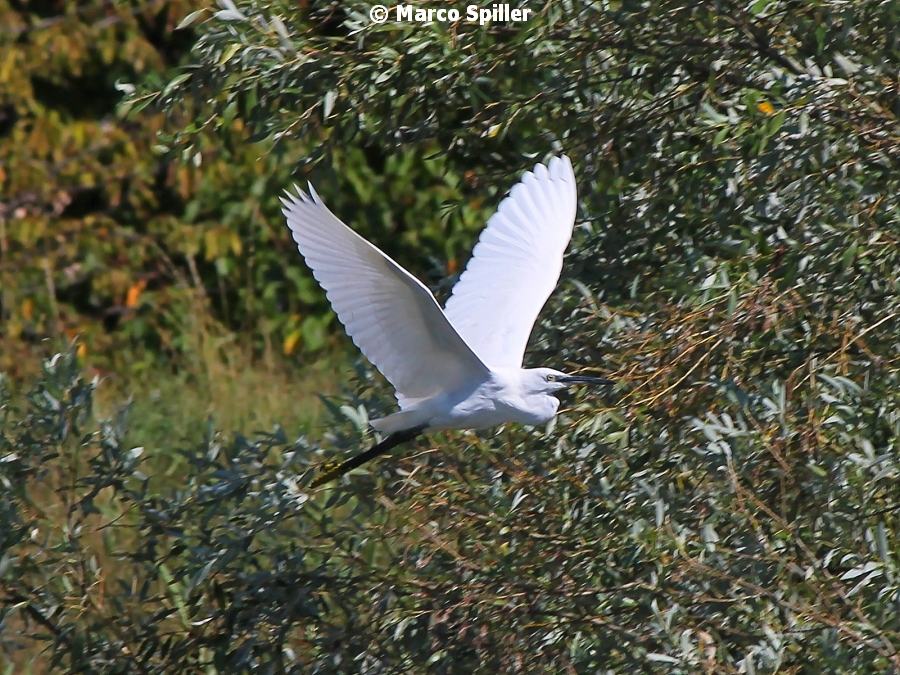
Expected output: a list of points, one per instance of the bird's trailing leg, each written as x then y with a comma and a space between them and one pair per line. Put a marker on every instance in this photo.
330, 472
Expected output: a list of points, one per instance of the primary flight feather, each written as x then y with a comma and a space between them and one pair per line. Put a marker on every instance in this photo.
459, 367
515, 265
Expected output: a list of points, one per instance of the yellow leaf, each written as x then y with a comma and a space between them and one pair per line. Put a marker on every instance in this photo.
134, 293
230, 51
766, 108
27, 309
211, 244
290, 342
236, 245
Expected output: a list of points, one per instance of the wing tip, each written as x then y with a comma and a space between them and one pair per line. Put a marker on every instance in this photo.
560, 167
295, 198
300, 195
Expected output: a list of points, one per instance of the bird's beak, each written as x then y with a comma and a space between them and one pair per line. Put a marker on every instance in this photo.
585, 379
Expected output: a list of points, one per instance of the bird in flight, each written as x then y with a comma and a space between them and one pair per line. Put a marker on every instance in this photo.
459, 367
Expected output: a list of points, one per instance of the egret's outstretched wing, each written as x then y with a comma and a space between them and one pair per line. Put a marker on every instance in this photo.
392, 318
515, 265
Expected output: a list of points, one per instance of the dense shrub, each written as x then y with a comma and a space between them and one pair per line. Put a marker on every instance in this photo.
697, 523
105, 232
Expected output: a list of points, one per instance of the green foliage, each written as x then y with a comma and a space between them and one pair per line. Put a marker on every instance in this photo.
105, 232
79, 190
759, 141
732, 507
720, 529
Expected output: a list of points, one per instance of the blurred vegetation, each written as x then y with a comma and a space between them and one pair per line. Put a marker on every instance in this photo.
733, 507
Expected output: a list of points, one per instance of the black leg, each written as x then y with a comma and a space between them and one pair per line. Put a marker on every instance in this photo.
363, 457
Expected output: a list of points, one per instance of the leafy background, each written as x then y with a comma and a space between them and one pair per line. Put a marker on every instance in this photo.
731, 507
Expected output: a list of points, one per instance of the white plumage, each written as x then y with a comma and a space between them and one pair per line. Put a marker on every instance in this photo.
459, 367
515, 265
390, 315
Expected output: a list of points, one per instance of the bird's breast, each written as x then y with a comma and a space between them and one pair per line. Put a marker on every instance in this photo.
535, 410
491, 404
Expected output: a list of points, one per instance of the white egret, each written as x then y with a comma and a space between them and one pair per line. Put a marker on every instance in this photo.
460, 367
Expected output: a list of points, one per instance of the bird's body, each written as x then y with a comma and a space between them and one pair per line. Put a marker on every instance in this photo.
501, 397
460, 367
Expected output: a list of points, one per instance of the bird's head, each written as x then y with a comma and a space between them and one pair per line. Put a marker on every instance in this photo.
548, 380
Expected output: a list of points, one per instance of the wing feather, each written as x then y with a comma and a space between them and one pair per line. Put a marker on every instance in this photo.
515, 265
389, 314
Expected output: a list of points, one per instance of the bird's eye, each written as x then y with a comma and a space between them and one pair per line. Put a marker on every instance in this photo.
551, 378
